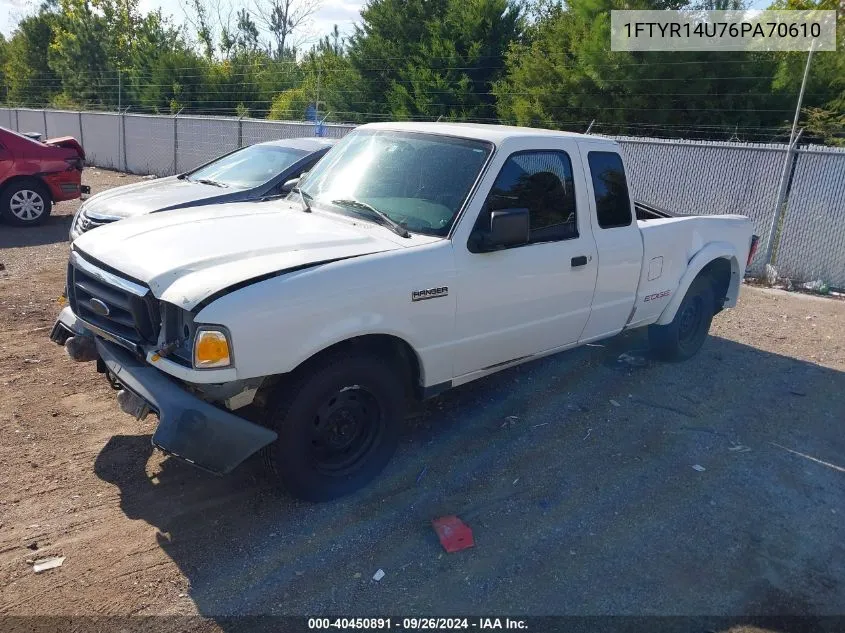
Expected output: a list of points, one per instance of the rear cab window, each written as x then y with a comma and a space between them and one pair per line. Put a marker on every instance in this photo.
610, 188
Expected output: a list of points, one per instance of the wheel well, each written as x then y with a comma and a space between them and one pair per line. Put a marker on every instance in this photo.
392, 348
19, 179
720, 272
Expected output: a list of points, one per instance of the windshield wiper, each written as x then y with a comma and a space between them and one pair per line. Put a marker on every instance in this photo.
209, 181
305, 197
397, 228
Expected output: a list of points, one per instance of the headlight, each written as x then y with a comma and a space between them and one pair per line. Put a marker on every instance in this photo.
74, 224
211, 348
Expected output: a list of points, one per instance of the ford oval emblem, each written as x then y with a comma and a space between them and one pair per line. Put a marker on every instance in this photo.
98, 307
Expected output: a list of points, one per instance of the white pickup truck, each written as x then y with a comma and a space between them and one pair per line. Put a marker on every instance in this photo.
413, 258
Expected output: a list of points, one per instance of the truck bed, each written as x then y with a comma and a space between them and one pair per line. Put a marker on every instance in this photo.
647, 211
670, 242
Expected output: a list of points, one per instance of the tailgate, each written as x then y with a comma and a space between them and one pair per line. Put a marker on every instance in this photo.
67, 142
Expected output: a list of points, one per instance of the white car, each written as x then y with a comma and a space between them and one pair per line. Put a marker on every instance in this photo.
250, 173
413, 258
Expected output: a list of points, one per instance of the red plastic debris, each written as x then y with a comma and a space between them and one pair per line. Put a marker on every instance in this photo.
453, 533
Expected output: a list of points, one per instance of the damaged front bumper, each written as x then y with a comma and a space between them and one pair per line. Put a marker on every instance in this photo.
67, 325
189, 428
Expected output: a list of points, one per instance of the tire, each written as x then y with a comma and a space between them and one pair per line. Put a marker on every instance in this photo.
25, 203
338, 426
683, 337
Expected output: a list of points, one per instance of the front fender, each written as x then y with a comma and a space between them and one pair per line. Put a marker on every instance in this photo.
707, 254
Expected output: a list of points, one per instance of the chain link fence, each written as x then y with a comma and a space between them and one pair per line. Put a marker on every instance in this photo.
812, 235
708, 177
690, 177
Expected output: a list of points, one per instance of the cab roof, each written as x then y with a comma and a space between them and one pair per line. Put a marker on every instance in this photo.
481, 131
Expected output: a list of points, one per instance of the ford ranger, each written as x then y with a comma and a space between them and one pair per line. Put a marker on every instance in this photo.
413, 258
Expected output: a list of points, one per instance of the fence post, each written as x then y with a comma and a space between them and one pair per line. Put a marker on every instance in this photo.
780, 204
123, 126
240, 132
81, 132
46, 134
176, 142
17, 121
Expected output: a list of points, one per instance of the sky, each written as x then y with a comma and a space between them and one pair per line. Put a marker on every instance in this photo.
344, 13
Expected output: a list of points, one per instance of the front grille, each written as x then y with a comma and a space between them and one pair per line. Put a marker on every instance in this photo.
87, 221
132, 316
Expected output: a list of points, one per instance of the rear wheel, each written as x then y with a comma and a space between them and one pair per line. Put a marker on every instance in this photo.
338, 426
683, 337
25, 203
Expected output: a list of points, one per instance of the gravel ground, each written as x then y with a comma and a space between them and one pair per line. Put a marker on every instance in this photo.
711, 487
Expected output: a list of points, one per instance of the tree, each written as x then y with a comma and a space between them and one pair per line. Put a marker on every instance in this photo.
431, 58
285, 20
28, 78
823, 115
565, 76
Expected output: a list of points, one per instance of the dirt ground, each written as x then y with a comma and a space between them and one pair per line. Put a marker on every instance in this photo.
576, 474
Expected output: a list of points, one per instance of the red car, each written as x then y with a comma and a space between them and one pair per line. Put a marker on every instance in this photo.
35, 174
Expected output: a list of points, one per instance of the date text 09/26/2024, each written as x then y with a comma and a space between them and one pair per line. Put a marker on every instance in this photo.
416, 624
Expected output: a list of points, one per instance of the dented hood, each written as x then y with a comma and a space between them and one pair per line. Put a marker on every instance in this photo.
188, 255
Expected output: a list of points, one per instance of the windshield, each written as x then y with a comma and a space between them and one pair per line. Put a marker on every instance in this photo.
248, 167
419, 181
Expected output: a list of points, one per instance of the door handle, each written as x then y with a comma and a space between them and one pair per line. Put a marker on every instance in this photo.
579, 261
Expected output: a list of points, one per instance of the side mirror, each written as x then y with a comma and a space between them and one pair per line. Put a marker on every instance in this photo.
508, 227
290, 184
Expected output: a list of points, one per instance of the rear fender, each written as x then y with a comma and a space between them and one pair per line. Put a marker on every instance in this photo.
709, 253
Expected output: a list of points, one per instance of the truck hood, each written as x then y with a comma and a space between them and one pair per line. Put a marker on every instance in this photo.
189, 255
147, 196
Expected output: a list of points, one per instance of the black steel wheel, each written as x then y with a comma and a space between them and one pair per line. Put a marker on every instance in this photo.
338, 422
346, 428
683, 337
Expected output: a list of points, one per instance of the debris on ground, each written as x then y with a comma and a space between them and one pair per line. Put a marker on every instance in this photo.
453, 533
795, 392
614, 403
422, 474
357, 574
31, 361
771, 275
510, 421
631, 360
378, 575
740, 448
699, 468
2, 266
150, 177
818, 286
51, 562
665, 407
588, 434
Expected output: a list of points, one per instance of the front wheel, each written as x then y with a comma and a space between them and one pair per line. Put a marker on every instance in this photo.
25, 203
338, 426
683, 337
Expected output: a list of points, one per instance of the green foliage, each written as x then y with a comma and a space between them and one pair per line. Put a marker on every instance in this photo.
432, 58
532, 62
290, 105
28, 78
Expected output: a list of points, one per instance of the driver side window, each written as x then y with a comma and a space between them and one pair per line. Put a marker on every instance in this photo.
542, 182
